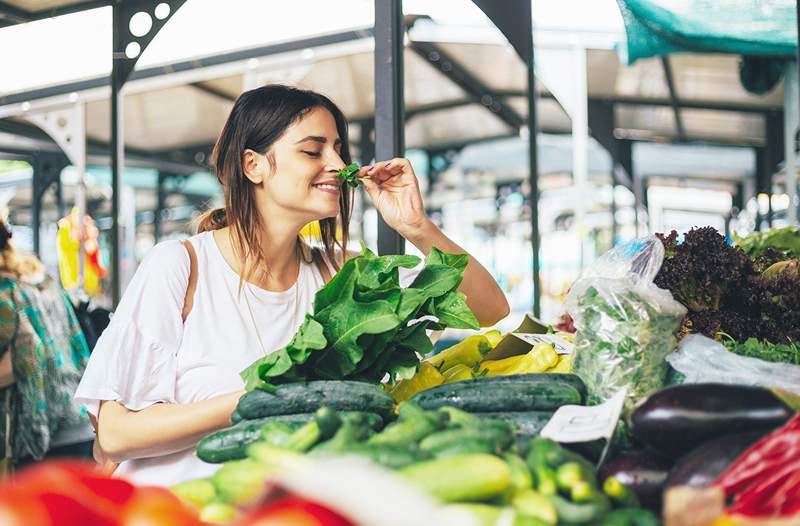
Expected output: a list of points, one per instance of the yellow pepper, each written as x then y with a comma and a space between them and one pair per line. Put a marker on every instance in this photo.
493, 337
469, 352
427, 376
564, 365
457, 373
539, 359
498, 367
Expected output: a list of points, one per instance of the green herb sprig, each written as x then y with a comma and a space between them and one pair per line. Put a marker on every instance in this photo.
350, 175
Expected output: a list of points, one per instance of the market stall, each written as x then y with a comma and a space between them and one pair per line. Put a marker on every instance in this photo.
673, 400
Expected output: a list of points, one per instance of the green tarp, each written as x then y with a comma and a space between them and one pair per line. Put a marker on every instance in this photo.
743, 27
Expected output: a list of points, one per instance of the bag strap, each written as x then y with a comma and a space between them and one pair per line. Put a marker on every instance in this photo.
188, 300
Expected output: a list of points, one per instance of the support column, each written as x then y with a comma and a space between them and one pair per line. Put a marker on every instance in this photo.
128, 43
46, 172
389, 103
790, 123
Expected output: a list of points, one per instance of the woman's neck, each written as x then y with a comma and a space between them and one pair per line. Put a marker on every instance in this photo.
280, 249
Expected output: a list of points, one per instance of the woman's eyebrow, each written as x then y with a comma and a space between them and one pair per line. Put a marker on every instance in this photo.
316, 138
319, 139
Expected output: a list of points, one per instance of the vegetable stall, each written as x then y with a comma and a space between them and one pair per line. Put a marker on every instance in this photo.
674, 401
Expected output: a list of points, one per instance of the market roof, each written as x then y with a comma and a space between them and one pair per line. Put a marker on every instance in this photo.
183, 87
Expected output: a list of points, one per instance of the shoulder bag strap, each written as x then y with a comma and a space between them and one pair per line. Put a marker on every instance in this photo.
188, 300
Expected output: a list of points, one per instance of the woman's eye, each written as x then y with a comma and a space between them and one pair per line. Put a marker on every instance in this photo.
311, 154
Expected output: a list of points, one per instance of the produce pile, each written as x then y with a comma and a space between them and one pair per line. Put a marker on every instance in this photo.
711, 436
466, 360
471, 444
730, 293
365, 326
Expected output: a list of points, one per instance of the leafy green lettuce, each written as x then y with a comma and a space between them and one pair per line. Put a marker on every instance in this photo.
365, 325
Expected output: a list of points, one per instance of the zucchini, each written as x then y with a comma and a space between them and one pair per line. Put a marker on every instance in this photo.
530, 392
413, 425
231, 443
461, 478
467, 447
307, 397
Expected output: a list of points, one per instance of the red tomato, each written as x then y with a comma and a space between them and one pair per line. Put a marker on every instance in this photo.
156, 507
22, 510
73, 492
294, 511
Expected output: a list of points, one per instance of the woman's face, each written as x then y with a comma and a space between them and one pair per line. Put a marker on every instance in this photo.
304, 185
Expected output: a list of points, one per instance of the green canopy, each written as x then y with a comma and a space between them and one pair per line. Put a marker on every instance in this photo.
745, 27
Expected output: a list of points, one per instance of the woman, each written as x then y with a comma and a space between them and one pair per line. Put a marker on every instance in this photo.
42, 357
157, 383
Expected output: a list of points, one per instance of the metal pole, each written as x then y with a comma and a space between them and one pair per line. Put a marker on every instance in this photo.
117, 147
533, 180
389, 104
790, 122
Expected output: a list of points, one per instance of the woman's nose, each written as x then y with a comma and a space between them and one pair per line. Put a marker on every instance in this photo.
334, 163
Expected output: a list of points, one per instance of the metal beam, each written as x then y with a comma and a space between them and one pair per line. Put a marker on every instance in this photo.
476, 89
389, 101
673, 97
190, 65
21, 16
11, 15
211, 90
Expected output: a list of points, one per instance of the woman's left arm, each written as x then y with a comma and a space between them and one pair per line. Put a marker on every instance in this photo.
394, 190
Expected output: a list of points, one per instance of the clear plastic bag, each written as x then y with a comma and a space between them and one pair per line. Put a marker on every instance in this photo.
625, 324
701, 359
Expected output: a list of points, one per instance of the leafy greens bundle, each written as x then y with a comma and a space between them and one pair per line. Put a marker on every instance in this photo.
366, 325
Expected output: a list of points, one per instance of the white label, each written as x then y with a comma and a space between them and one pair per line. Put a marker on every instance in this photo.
577, 423
561, 345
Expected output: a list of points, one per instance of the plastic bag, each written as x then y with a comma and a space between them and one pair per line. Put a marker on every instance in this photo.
625, 324
701, 359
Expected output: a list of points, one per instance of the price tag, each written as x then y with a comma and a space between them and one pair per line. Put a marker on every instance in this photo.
561, 345
576, 423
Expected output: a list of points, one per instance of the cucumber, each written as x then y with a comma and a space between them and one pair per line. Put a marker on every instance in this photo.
231, 443
498, 435
389, 456
307, 397
531, 392
525, 424
461, 478
236, 417
467, 447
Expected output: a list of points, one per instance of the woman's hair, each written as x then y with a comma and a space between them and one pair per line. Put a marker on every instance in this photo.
14, 262
258, 119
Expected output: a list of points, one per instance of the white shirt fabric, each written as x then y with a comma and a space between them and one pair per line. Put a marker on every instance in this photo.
149, 355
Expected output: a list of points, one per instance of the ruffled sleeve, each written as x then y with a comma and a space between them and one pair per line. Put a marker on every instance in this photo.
135, 359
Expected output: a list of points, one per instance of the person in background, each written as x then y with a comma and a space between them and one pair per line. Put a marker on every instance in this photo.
165, 372
43, 354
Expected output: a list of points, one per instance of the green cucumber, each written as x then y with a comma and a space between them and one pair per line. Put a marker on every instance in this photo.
307, 397
231, 443
390, 456
461, 478
525, 424
531, 392
236, 417
498, 434
572, 513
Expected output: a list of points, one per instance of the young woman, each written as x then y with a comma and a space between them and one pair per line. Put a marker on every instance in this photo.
157, 382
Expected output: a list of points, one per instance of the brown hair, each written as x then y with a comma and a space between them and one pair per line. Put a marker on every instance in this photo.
258, 119
13, 262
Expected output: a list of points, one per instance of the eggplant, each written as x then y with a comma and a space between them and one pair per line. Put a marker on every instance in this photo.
677, 419
701, 467
643, 472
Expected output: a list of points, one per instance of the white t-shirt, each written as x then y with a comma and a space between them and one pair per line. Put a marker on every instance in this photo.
148, 354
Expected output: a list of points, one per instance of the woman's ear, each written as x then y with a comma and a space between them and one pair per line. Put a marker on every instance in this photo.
253, 166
